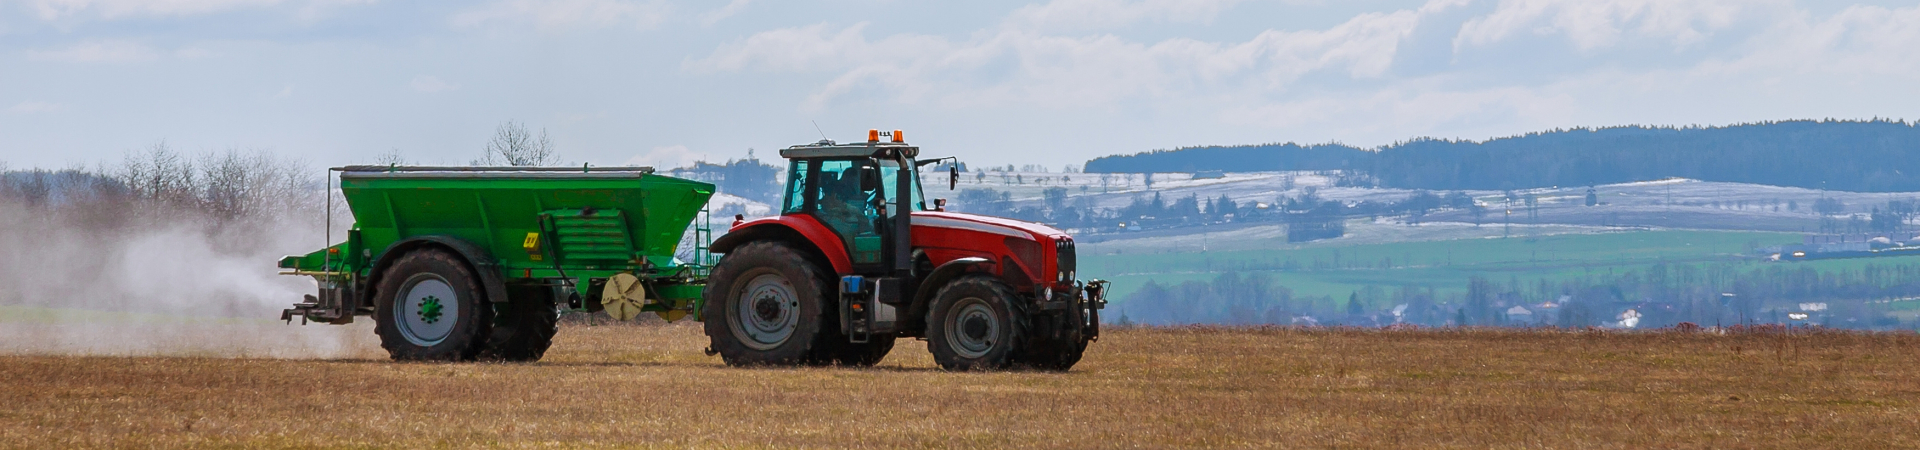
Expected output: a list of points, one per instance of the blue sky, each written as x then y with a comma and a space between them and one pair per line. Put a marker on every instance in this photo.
995, 82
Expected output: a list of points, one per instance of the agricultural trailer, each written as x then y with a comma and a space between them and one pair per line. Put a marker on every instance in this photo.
464, 263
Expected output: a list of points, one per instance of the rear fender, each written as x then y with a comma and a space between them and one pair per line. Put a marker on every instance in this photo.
801, 230
478, 260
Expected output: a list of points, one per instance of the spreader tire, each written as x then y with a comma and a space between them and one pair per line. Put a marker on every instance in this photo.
430, 307
765, 305
524, 326
976, 323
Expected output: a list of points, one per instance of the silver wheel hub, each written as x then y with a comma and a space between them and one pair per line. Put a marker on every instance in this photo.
427, 309
766, 311
972, 328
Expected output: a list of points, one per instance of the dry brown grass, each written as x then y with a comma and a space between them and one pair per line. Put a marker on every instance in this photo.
651, 387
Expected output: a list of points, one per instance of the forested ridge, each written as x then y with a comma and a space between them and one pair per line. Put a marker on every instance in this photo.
1863, 156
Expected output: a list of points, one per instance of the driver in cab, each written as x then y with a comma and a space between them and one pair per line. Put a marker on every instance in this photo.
843, 205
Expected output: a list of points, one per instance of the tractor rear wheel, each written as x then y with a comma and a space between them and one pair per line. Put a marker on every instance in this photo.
430, 306
765, 305
976, 323
524, 326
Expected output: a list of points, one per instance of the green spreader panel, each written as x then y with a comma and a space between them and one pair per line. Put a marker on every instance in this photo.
590, 237
598, 219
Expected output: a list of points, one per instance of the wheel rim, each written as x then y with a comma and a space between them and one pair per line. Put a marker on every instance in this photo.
766, 311
972, 327
427, 308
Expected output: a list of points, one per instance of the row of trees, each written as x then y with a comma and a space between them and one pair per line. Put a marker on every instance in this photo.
1861, 156
218, 189
223, 187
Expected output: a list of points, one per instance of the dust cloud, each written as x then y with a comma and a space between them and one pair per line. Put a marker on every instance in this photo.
100, 265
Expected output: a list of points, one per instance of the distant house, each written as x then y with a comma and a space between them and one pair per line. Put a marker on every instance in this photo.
1519, 315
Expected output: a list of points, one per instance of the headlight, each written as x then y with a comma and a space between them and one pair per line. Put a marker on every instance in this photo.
1047, 294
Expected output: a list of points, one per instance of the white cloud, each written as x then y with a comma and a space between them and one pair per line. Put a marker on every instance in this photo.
1859, 40
113, 9
1342, 76
562, 15
1592, 24
1032, 68
102, 51
31, 107
1071, 15
715, 16
430, 84
667, 157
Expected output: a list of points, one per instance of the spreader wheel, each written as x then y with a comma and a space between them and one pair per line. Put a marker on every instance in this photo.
429, 306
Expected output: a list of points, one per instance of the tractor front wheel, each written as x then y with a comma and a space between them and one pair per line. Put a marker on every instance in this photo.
976, 323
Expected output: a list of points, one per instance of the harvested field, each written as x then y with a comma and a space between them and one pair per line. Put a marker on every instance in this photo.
634, 386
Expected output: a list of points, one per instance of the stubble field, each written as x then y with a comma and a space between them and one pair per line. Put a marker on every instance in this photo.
639, 386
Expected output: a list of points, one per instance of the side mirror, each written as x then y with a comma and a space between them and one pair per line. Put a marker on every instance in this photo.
939, 204
953, 176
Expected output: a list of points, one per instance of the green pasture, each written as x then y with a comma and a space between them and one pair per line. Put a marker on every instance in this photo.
1333, 270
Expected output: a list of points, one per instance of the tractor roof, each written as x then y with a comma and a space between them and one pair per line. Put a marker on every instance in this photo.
829, 149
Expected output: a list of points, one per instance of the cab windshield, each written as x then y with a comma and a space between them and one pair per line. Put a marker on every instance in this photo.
890, 174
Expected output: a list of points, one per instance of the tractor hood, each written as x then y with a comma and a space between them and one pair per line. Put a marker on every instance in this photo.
986, 224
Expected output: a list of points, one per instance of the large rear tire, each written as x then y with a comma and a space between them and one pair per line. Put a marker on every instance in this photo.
765, 305
976, 323
524, 326
430, 307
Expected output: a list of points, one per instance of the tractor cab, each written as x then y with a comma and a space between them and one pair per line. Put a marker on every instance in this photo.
860, 191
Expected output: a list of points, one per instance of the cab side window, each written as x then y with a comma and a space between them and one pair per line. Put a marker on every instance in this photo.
796, 187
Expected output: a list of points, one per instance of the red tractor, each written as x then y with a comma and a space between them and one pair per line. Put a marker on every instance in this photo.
857, 259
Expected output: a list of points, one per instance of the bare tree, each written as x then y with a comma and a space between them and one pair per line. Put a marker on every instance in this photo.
160, 176
255, 185
513, 145
391, 158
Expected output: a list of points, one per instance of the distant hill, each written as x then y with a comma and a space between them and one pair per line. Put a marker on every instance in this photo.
1861, 156
1238, 158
